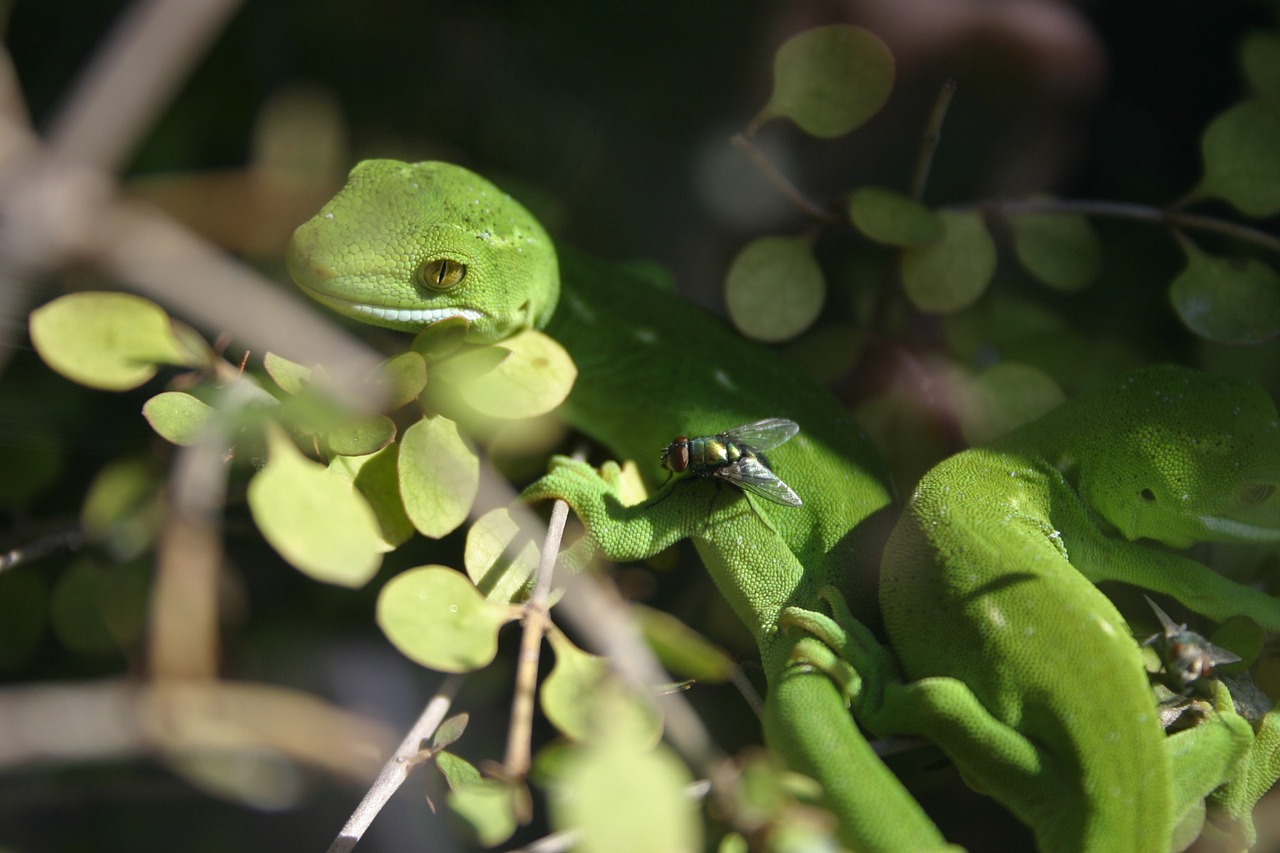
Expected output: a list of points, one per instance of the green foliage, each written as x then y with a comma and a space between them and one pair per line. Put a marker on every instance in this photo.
533, 380
112, 341
952, 273
1241, 150
177, 417
1260, 56
894, 219
439, 476
1060, 249
435, 616
829, 80
1227, 300
774, 288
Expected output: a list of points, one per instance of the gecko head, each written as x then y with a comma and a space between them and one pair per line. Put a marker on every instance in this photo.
1195, 458
404, 245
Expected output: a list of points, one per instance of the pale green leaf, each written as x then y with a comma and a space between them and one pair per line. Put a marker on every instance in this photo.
450, 731
1241, 150
623, 798
1260, 56
289, 375
892, 218
457, 771
1003, 398
439, 476
314, 518
952, 273
436, 617
534, 380
441, 339
682, 650
469, 363
124, 509
581, 688
499, 575
112, 341
829, 80
377, 478
487, 807
774, 289
403, 376
177, 417
358, 436
1227, 300
1060, 249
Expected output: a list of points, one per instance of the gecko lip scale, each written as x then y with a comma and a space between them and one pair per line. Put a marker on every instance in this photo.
1239, 530
389, 313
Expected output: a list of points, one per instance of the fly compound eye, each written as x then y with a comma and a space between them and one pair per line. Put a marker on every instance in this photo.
442, 273
1254, 494
676, 456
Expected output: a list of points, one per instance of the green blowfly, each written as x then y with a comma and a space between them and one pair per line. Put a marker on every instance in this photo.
737, 456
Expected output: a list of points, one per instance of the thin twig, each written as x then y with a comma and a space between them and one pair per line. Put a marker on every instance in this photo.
536, 621
932, 136
1125, 210
781, 182
397, 769
64, 539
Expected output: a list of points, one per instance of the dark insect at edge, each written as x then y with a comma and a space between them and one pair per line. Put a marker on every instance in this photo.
737, 456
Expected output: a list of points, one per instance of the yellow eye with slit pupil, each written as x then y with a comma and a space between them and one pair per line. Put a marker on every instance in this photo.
443, 273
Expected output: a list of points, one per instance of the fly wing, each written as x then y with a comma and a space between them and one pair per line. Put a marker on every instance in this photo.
750, 474
762, 435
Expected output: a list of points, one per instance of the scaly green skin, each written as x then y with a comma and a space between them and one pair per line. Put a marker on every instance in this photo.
1017, 665
651, 367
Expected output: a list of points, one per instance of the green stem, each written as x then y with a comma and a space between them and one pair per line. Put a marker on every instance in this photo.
932, 136
780, 181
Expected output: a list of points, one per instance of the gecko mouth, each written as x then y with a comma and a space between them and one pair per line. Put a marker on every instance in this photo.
389, 315
1238, 530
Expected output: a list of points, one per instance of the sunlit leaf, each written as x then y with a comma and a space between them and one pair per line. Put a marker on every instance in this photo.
952, 273
1227, 300
403, 376
439, 475
892, 218
572, 693
112, 341
361, 436
487, 808
377, 478
774, 289
497, 574
829, 80
441, 338
314, 518
1060, 249
469, 363
457, 771
436, 617
1260, 56
623, 797
1241, 150
534, 380
177, 417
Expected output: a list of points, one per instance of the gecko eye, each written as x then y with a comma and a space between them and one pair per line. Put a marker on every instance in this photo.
442, 273
1147, 495
1253, 494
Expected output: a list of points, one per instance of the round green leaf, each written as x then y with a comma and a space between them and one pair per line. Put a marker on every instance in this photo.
571, 693
289, 375
442, 338
112, 341
774, 288
952, 273
487, 806
377, 478
314, 518
1227, 300
177, 417
361, 436
124, 508
682, 650
436, 617
404, 376
534, 380
622, 798
1241, 150
1060, 249
1260, 56
892, 218
499, 575
1003, 398
829, 80
439, 476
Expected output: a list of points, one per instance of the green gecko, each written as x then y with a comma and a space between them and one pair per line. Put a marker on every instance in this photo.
405, 245
1017, 666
